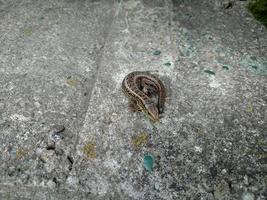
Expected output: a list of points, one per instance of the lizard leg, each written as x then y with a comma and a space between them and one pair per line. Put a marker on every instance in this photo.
133, 106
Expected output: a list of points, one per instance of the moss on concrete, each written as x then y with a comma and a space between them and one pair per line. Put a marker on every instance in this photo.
259, 10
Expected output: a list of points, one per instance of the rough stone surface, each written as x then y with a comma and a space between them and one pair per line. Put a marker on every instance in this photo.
65, 129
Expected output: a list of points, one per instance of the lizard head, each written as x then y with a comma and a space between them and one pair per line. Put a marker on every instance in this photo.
152, 111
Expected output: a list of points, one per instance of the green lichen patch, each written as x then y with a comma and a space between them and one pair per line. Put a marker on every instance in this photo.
250, 109
72, 81
89, 150
140, 140
28, 31
20, 153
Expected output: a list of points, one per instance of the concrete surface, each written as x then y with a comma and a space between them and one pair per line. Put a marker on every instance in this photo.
65, 129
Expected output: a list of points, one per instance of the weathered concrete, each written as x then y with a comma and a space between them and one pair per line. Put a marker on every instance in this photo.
66, 132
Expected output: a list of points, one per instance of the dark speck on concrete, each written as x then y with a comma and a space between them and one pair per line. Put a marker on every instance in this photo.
227, 4
167, 64
209, 72
40, 18
225, 67
156, 52
56, 129
254, 67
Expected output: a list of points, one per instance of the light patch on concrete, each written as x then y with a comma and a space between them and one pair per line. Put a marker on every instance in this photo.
128, 189
18, 117
101, 187
119, 76
214, 83
51, 184
248, 196
111, 164
129, 5
72, 181
198, 149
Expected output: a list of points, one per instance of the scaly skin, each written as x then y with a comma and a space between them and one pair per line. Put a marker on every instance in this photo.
138, 86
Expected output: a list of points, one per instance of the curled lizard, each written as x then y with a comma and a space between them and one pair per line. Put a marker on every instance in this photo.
140, 87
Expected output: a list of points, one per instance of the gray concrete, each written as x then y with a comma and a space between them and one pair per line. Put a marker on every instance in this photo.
65, 129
